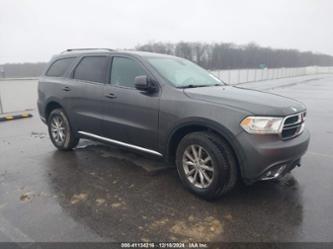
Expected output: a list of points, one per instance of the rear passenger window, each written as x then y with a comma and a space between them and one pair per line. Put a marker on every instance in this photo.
59, 67
124, 71
92, 68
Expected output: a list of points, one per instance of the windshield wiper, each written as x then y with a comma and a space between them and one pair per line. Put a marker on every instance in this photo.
194, 86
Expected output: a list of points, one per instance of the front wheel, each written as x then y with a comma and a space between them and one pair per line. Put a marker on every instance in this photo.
206, 165
60, 130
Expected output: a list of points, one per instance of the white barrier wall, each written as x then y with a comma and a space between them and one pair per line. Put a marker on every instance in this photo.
17, 95
236, 76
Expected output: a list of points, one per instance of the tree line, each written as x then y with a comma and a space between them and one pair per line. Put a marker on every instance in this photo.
209, 55
12, 70
231, 56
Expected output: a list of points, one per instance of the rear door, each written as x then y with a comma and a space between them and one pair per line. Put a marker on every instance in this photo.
87, 88
131, 116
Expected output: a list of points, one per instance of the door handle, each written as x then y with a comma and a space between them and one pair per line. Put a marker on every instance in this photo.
111, 95
66, 89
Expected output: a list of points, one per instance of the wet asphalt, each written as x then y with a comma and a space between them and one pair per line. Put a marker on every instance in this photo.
101, 193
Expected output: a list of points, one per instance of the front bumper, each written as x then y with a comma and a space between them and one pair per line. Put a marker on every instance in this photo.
264, 153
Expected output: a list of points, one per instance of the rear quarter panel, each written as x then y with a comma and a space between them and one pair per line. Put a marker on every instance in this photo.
50, 90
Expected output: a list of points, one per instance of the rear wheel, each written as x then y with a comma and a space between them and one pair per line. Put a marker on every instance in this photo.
206, 165
60, 130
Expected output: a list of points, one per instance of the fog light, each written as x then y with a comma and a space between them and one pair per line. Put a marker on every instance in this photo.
279, 171
274, 173
269, 173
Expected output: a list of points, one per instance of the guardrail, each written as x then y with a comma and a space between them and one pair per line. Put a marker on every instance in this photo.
237, 76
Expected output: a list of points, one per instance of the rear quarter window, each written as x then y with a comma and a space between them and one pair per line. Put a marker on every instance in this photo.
59, 67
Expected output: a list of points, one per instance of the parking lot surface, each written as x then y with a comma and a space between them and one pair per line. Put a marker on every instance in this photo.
100, 193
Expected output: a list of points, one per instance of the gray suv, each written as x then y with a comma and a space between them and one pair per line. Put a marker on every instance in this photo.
170, 107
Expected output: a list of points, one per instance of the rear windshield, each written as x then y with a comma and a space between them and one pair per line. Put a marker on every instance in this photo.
59, 67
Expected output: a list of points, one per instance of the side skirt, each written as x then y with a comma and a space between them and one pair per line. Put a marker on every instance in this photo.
132, 146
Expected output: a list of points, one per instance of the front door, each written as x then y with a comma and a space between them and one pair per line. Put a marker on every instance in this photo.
131, 116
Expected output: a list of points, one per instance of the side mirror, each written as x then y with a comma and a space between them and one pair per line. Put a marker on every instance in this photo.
143, 83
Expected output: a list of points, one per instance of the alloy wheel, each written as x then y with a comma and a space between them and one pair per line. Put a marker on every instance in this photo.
58, 129
198, 166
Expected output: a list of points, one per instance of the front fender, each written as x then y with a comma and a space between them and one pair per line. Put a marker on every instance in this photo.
214, 126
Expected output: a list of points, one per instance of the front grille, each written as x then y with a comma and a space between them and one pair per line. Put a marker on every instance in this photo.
293, 125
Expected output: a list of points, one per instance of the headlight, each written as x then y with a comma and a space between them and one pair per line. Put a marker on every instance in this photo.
262, 125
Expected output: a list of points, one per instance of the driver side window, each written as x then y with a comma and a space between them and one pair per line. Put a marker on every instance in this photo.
124, 70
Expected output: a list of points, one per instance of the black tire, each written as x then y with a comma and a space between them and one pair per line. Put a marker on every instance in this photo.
70, 140
223, 161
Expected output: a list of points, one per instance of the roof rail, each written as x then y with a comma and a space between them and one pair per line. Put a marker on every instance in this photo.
83, 49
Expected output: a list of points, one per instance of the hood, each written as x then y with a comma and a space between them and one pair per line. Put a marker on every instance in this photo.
253, 101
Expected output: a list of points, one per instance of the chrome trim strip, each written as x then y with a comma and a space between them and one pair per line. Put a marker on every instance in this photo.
120, 143
299, 123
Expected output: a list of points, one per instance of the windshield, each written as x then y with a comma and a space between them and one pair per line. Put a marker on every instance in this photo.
183, 73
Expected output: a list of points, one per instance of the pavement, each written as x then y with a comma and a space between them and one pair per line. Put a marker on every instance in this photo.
101, 193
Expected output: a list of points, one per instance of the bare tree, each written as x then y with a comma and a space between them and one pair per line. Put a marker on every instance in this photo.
229, 55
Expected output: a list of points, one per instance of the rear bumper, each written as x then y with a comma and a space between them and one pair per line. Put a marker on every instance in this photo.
40, 111
267, 156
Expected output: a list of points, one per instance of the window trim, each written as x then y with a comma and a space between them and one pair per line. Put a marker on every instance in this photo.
127, 57
69, 68
81, 58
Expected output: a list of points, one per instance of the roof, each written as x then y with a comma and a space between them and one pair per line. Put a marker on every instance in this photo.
108, 50
78, 50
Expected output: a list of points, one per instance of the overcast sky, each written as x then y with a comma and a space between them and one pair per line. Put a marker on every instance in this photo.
34, 30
